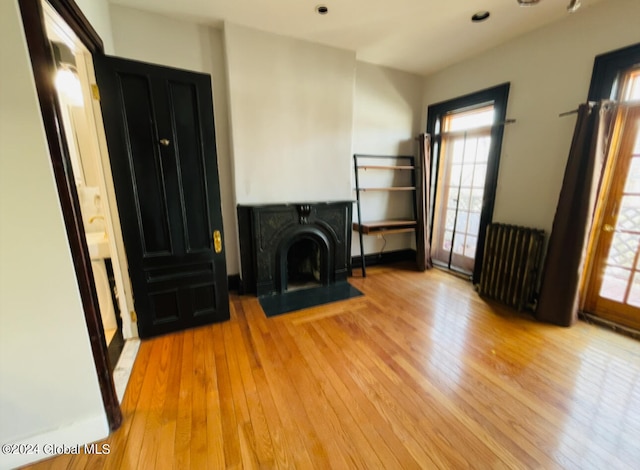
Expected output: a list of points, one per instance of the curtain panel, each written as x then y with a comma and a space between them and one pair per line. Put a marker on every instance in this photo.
558, 302
423, 203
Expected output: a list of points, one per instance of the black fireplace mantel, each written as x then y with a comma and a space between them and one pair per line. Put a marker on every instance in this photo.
267, 231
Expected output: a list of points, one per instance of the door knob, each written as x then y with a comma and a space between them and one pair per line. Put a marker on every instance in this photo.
608, 228
165, 142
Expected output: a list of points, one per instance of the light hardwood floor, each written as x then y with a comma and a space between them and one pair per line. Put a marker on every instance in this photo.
418, 373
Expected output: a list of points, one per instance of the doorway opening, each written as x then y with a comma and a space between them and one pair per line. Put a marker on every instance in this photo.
464, 156
60, 39
466, 141
613, 288
611, 281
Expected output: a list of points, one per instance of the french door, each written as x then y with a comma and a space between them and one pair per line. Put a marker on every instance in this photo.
466, 138
463, 167
613, 292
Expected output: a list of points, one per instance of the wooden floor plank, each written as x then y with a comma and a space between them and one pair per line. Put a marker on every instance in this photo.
482, 406
229, 421
185, 408
199, 438
425, 414
293, 414
139, 430
346, 424
419, 372
215, 443
321, 415
382, 445
169, 417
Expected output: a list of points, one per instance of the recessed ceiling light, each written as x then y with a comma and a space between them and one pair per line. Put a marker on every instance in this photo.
322, 9
480, 16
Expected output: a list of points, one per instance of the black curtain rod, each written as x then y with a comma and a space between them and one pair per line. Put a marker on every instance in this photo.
568, 113
590, 103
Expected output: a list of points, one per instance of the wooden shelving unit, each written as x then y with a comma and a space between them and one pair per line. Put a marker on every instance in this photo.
404, 163
385, 226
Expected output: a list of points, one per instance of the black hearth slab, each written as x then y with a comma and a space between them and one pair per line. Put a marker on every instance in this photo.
304, 298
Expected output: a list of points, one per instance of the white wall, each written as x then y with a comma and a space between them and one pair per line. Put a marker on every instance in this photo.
49, 388
291, 108
386, 119
550, 71
161, 40
295, 108
97, 12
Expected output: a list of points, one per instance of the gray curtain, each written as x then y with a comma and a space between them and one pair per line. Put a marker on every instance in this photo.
559, 293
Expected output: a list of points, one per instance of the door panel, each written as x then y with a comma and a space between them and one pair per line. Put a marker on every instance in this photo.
144, 164
191, 167
160, 134
614, 290
463, 166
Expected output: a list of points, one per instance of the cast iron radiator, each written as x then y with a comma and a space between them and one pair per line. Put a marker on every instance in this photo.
510, 265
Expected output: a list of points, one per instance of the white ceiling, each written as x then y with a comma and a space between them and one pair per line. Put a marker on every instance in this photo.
420, 36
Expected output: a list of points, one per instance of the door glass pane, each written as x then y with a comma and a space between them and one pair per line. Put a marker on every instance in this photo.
458, 244
458, 151
623, 250
467, 175
634, 294
483, 149
614, 283
620, 276
470, 247
446, 241
451, 219
479, 175
461, 225
632, 87
470, 119
633, 180
476, 199
474, 223
465, 199
629, 216
470, 150
456, 174
452, 201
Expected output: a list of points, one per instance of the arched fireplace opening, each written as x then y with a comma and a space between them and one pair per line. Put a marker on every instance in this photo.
285, 246
304, 265
296, 256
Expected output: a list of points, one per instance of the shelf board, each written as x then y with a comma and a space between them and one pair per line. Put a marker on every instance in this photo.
390, 188
386, 167
386, 226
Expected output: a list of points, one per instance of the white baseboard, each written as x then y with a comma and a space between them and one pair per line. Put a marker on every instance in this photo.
49, 444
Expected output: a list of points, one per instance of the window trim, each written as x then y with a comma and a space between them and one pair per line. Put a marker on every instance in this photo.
607, 69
